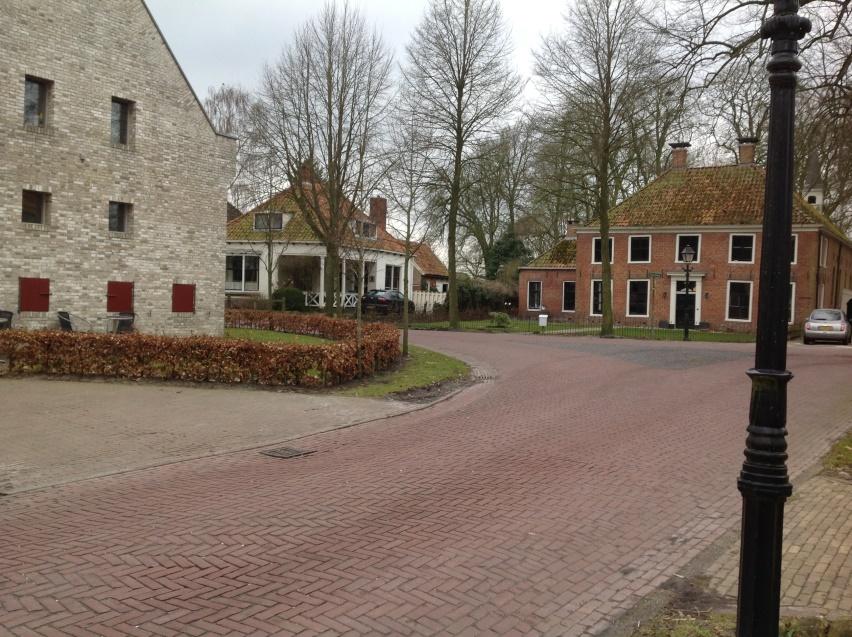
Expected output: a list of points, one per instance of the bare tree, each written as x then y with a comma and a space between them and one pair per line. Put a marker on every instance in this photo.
321, 107
262, 184
230, 110
595, 78
407, 184
709, 35
460, 83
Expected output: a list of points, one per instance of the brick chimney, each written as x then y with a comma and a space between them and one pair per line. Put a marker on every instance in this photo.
306, 173
746, 152
379, 212
571, 230
680, 151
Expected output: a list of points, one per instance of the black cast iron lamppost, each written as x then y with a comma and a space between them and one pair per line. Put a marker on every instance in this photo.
763, 481
687, 255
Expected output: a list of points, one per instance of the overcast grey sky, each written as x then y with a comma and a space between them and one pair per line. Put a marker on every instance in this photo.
228, 41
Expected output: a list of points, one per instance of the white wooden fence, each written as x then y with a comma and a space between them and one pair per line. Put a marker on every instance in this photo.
426, 301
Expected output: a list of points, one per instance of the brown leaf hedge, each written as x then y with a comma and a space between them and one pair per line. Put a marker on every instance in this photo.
211, 359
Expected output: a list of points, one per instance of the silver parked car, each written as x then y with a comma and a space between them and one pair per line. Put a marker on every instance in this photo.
827, 325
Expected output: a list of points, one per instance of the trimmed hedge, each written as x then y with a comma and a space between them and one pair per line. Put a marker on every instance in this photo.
209, 359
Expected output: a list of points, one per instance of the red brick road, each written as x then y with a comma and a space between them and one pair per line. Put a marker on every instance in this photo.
545, 501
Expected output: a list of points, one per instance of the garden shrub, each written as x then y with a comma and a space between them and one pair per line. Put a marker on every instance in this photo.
210, 359
500, 319
293, 298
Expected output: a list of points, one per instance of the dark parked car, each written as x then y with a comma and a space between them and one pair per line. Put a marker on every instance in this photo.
384, 302
827, 325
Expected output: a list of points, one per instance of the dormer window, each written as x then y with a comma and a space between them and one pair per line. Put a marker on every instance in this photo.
268, 221
365, 229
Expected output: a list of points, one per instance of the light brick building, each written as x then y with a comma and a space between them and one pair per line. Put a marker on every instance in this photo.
718, 210
112, 180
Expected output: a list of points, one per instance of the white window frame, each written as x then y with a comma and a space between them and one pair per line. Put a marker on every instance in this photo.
389, 284
647, 283
728, 301
630, 247
269, 217
731, 247
795, 249
242, 288
611, 250
677, 246
821, 296
823, 253
540, 294
563, 297
592, 295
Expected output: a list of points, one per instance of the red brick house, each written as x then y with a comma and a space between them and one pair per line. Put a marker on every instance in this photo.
718, 210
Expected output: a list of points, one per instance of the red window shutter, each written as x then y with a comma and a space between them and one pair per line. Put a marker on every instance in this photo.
183, 297
120, 297
33, 295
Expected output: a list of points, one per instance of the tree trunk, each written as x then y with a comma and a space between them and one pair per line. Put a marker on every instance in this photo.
455, 191
270, 266
606, 269
332, 275
405, 304
359, 323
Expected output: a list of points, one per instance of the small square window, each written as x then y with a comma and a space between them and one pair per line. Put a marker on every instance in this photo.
684, 240
534, 295
268, 221
640, 250
119, 216
742, 248
597, 250
36, 93
120, 121
569, 296
34, 206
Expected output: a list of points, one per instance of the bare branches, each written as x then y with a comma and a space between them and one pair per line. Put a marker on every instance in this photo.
321, 109
458, 83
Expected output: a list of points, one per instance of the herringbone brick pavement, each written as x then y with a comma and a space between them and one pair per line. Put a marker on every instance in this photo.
544, 502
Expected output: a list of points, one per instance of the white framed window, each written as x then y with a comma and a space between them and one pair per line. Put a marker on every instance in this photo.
392, 277
739, 301
792, 304
741, 248
264, 221
639, 249
684, 240
596, 297
242, 273
597, 247
823, 249
638, 296
569, 296
534, 295
821, 295
795, 248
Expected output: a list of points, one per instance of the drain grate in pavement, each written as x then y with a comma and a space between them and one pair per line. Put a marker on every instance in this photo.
286, 452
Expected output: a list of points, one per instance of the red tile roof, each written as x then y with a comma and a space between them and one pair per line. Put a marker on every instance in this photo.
708, 196
297, 229
562, 255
